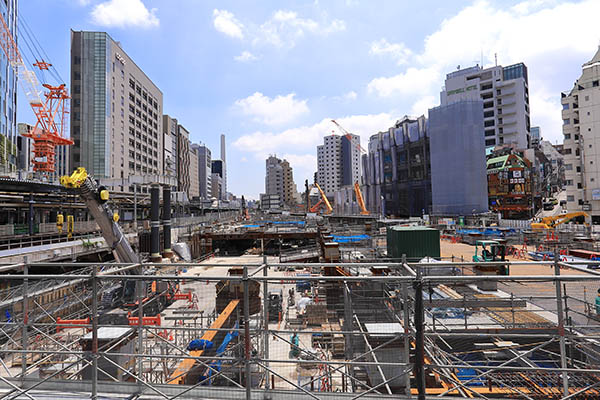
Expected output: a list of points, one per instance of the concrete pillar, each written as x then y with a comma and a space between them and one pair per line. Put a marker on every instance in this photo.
167, 253
155, 223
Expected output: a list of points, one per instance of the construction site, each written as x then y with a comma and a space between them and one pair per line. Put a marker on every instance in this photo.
301, 306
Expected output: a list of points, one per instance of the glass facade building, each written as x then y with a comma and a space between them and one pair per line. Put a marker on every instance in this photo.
8, 95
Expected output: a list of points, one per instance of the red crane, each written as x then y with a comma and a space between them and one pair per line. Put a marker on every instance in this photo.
50, 112
348, 135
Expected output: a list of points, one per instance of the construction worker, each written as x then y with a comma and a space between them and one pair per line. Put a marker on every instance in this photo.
598, 303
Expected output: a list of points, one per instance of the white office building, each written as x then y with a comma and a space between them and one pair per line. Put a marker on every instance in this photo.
338, 162
505, 95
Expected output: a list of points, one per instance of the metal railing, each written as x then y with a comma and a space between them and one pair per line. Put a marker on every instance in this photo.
336, 336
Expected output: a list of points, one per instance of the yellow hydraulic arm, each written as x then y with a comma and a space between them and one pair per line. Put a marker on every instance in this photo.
324, 198
554, 221
360, 200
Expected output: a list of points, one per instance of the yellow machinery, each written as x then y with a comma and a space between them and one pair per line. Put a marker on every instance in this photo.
324, 198
60, 220
360, 200
554, 221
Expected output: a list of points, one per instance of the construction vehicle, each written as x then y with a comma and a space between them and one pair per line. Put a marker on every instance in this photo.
348, 135
96, 199
324, 199
360, 200
556, 220
491, 251
51, 113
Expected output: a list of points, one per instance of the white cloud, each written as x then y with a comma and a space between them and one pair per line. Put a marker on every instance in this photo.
84, 2
276, 111
284, 28
421, 106
351, 95
397, 51
412, 82
304, 139
541, 33
225, 22
124, 13
246, 56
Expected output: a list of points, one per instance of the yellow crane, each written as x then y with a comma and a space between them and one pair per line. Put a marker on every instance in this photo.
324, 198
553, 221
360, 200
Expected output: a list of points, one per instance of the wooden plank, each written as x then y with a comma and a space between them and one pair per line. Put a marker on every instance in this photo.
178, 376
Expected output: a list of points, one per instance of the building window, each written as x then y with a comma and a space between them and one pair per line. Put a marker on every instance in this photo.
566, 121
570, 198
569, 182
568, 167
567, 136
565, 106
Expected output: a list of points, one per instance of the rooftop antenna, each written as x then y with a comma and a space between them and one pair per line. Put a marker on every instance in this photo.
481, 58
496, 58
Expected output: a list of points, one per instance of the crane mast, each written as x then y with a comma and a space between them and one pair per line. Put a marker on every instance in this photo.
47, 132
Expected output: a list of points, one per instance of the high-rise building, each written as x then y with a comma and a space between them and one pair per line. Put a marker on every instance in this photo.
397, 171
194, 191
170, 146
580, 110
505, 95
457, 154
116, 111
8, 95
216, 179
183, 159
204, 170
279, 180
338, 162
224, 172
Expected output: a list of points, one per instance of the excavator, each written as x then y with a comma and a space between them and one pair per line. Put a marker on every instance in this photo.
556, 220
96, 199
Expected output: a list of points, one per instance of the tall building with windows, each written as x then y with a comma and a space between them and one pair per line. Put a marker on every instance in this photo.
194, 190
170, 146
216, 179
505, 95
338, 162
279, 180
116, 111
204, 170
8, 95
581, 107
183, 160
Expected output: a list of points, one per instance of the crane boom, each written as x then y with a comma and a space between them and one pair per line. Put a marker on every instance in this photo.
554, 221
47, 133
348, 136
324, 198
360, 200
95, 198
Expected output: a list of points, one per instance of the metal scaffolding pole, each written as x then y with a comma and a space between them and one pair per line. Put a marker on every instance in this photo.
247, 334
94, 333
265, 269
24, 338
419, 337
561, 327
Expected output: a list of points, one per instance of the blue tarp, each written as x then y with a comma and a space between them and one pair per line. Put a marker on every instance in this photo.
250, 226
350, 239
200, 344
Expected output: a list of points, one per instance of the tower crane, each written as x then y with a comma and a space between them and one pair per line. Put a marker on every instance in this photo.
50, 112
348, 135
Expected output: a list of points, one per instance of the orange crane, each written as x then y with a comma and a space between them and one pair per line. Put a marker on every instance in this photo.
324, 199
360, 200
348, 135
51, 112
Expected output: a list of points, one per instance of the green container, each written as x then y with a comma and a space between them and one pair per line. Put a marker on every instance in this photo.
414, 241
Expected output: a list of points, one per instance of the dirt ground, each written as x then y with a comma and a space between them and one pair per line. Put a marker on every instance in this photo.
458, 250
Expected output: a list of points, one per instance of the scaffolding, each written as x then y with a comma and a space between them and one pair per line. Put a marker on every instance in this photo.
416, 330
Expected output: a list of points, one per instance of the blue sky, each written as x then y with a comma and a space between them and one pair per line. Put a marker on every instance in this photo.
271, 74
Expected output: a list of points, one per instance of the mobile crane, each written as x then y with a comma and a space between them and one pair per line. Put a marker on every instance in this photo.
324, 199
360, 200
96, 199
